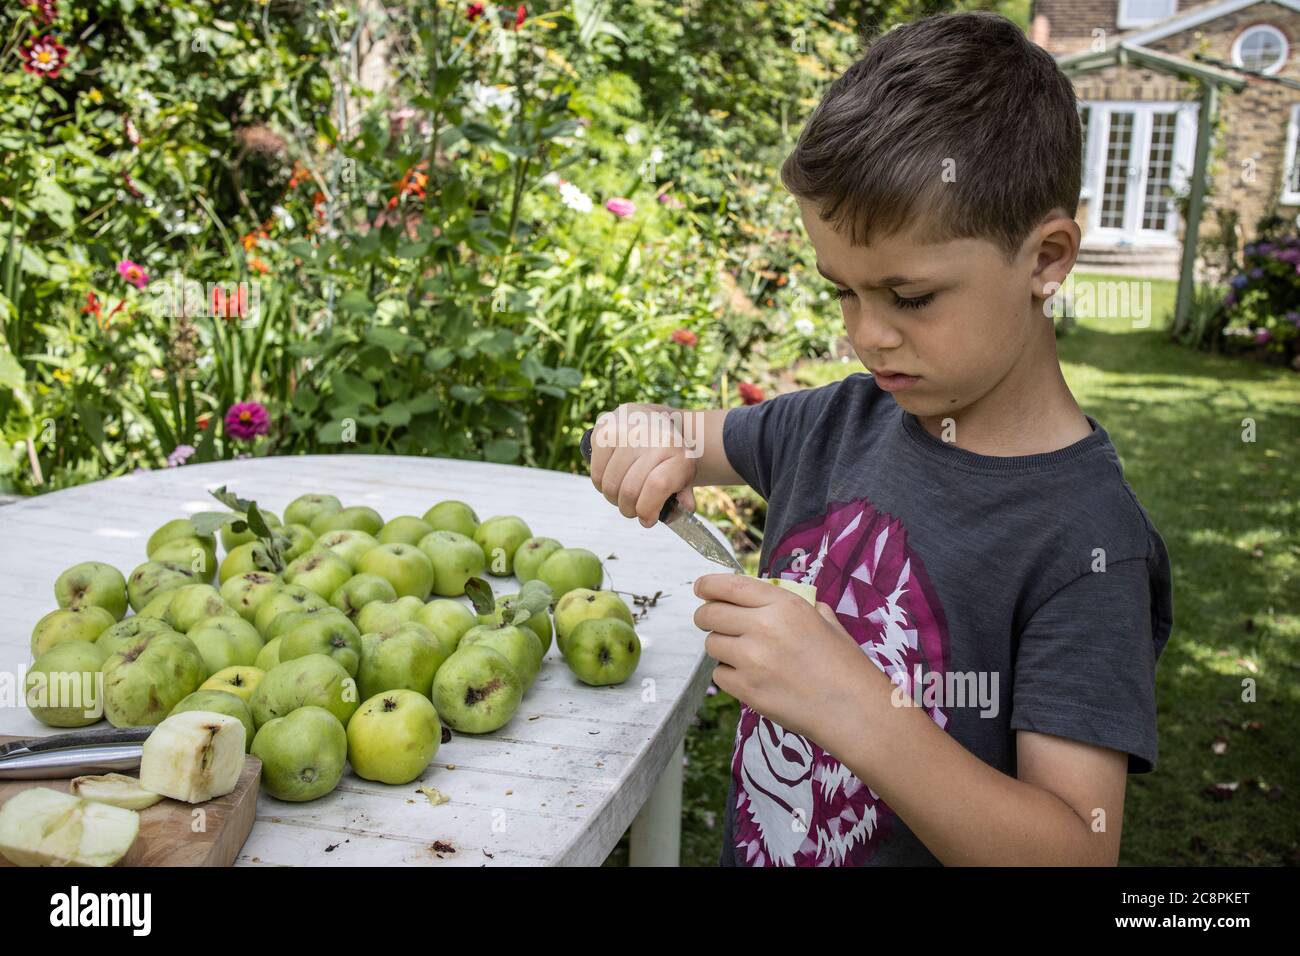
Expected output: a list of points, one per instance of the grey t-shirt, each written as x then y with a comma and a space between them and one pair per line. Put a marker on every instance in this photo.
1001, 593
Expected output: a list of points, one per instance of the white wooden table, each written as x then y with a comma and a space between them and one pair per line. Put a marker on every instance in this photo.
557, 785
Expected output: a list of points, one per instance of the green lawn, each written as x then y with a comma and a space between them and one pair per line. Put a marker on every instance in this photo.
1228, 513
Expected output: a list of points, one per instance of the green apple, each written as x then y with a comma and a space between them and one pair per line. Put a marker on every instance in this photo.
356, 518
407, 529
154, 577
322, 572
286, 622
531, 554
307, 508
178, 529
452, 516
360, 590
381, 615
291, 597
518, 645
500, 537
193, 603
405, 656
83, 623
302, 754
393, 736
197, 554
311, 681
327, 632
231, 539
240, 681
129, 631
92, 583
64, 688
225, 641
159, 605
404, 566
570, 569
348, 544
294, 540
582, 605
246, 592
448, 620
455, 559
220, 702
268, 656
144, 681
246, 558
539, 624
477, 690
602, 651
806, 591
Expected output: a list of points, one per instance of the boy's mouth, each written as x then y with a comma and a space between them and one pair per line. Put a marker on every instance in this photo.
894, 381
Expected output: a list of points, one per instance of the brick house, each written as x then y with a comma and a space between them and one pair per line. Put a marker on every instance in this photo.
1140, 123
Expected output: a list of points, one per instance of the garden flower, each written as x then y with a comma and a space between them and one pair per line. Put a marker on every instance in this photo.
1263, 337
1238, 282
1257, 273
632, 136
1294, 318
132, 134
133, 273
685, 337
1229, 300
44, 10
474, 11
623, 208
552, 179
180, 454
44, 57
247, 420
803, 326
750, 394
574, 198
671, 201
257, 265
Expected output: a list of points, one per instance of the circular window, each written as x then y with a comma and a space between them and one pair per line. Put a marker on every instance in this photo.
1261, 47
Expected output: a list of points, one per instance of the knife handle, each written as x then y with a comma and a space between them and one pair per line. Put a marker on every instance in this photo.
585, 447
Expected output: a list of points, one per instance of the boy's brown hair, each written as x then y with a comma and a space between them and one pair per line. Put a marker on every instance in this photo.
965, 87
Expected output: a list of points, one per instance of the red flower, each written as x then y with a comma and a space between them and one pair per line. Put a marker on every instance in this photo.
44, 57
92, 305
474, 11
685, 337
203, 424
520, 14
44, 10
750, 394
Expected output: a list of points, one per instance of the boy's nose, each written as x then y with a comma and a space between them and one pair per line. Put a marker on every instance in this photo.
871, 332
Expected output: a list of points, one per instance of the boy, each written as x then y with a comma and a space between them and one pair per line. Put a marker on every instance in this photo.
977, 677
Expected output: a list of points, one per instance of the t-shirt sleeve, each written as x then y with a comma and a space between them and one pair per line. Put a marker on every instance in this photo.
756, 438
1085, 663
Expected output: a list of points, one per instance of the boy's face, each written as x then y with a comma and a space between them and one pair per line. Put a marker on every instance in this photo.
939, 325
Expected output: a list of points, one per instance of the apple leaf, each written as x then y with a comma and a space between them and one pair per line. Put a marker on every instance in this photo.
479, 593
534, 597
230, 499
207, 523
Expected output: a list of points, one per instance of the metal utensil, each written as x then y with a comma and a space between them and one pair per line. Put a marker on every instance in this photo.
70, 755
683, 522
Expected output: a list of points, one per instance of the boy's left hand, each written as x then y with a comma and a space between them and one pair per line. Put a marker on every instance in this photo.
790, 661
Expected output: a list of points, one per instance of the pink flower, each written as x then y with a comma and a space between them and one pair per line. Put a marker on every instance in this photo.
44, 57
247, 420
180, 454
623, 208
669, 200
685, 337
133, 273
750, 394
1263, 337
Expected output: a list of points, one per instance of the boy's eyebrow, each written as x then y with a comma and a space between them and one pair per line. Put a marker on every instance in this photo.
888, 282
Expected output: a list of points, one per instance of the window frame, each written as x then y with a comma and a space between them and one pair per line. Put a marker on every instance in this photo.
1125, 20
1265, 27
1290, 174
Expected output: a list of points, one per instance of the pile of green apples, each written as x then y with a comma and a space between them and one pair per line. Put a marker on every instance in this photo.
333, 636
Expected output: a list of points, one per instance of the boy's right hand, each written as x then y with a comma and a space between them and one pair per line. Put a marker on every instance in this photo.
639, 460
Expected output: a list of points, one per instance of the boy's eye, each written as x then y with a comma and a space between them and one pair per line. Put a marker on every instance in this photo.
920, 302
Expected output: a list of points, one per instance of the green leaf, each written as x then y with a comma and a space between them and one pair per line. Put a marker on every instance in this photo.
354, 300
397, 414
479, 593
502, 450
230, 499
438, 358
352, 389
466, 393
208, 523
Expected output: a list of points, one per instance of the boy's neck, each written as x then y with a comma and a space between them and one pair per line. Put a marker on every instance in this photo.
1029, 412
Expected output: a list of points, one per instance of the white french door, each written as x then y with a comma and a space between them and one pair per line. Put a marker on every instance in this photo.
1137, 153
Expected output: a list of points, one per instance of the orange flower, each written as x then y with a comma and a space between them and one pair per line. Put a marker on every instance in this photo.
250, 241
257, 265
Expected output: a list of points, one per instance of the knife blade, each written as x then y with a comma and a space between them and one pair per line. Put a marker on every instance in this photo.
70, 755
683, 523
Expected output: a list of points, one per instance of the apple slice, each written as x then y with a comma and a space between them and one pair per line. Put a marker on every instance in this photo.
114, 789
193, 756
42, 827
805, 591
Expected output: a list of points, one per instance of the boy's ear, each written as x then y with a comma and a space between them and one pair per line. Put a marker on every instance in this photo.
1056, 247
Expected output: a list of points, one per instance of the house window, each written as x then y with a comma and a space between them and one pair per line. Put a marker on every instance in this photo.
1262, 48
1291, 185
1139, 13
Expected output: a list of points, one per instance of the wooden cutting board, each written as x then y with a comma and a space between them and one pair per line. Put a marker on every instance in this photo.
173, 833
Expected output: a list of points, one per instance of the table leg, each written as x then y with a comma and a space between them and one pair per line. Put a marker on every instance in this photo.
656, 834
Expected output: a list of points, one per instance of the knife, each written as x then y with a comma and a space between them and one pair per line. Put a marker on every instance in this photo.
682, 521
70, 755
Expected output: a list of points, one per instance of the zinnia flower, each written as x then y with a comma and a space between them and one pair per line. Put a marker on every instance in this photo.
180, 454
44, 10
623, 208
44, 57
133, 273
474, 11
750, 394
685, 337
247, 420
